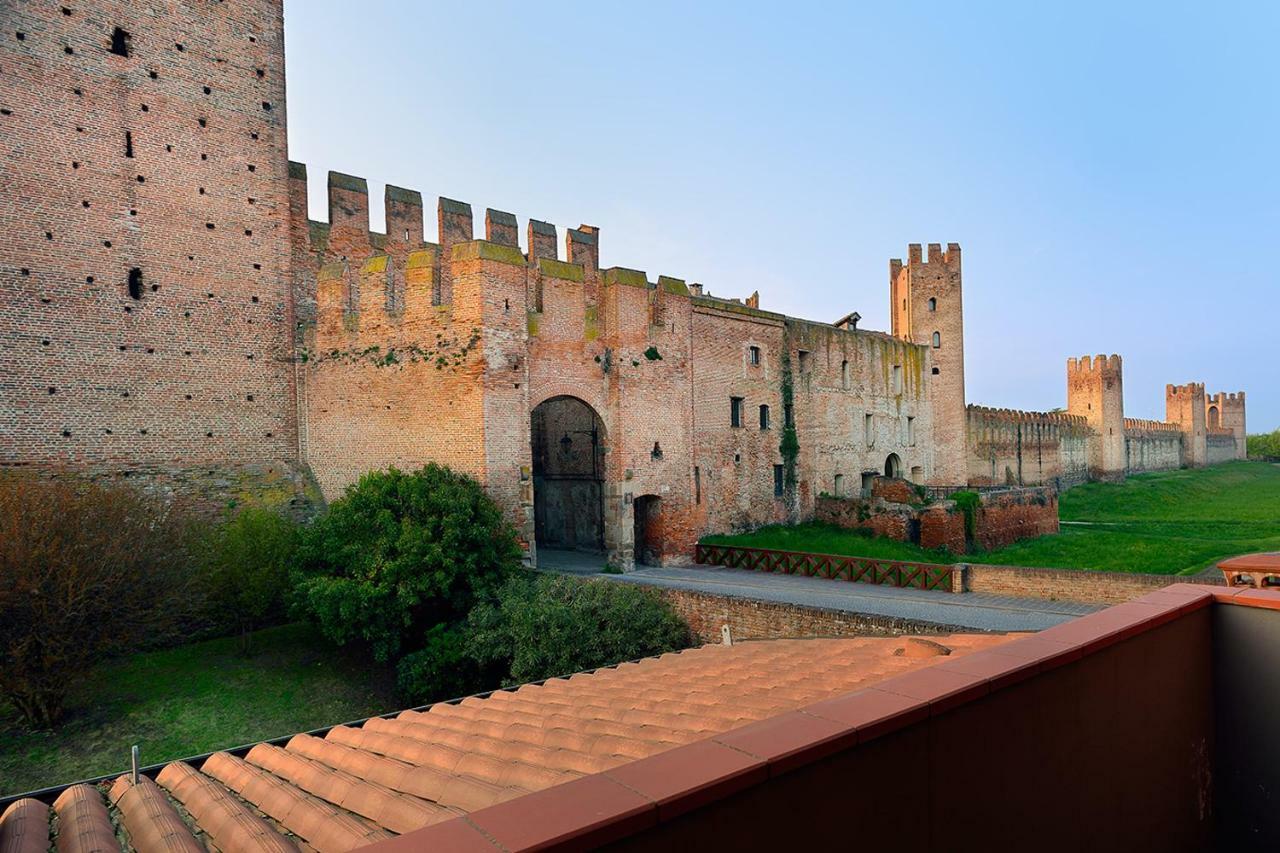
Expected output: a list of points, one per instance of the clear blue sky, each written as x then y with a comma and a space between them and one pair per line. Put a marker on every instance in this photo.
1110, 169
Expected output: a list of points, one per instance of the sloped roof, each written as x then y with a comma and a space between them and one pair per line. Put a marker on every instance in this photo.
357, 786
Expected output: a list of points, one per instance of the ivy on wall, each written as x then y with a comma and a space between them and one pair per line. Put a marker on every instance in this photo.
445, 353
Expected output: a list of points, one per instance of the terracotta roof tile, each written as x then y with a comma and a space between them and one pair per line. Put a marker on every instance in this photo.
83, 823
24, 827
359, 785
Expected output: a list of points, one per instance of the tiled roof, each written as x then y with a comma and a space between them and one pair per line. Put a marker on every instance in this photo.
356, 786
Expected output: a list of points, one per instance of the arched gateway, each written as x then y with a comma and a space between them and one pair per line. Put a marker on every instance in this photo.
568, 475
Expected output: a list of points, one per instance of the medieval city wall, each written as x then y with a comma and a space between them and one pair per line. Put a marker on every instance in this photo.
1220, 446
1151, 445
1011, 447
145, 314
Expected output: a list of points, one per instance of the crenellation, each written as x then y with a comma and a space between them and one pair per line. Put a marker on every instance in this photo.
404, 216
500, 227
542, 240
582, 246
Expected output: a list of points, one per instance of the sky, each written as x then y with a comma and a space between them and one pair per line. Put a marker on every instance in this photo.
1110, 170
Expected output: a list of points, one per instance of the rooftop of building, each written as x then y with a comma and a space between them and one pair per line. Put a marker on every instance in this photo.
360, 785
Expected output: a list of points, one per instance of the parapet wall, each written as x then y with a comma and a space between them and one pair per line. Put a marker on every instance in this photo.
1008, 446
1152, 445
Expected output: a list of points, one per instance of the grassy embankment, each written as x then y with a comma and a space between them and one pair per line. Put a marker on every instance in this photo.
1171, 522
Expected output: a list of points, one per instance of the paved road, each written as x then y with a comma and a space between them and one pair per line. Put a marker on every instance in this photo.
971, 610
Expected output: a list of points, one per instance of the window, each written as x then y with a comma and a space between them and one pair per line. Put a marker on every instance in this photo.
839, 486
937, 340
934, 372
779, 480
735, 411
135, 283
897, 379
803, 357
911, 431
128, 144
869, 431
764, 417
119, 42
844, 375
787, 418
753, 355
697, 484
933, 304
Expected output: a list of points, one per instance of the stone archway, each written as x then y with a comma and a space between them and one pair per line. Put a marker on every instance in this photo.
647, 543
893, 466
568, 442
1213, 417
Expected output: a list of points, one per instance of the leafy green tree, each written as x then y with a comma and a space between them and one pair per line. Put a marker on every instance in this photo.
550, 625
442, 669
1265, 445
247, 562
400, 553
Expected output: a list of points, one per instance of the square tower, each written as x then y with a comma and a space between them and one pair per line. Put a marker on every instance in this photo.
927, 309
144, 261
1095, 391
1184, 405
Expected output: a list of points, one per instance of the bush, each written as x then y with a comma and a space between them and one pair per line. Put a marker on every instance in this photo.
549, 625
246, 562
399, 554
442, 669
1264, 446
86, 571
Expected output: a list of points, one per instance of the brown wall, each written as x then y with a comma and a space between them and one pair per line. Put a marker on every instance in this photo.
1110, 752
1007, 517
1067, 584
749, 619
197, 372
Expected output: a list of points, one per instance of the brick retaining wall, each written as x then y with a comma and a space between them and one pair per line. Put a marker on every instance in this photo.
752, 619
1082, 585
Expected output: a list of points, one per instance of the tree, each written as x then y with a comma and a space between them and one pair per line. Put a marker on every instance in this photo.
550, 625
86, 571
247, 562
1264, 446
399, 554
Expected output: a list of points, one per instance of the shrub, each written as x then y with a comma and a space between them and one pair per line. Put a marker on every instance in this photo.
549, 625
246, 563
400, 553
1264, 446
442, 669
86, 571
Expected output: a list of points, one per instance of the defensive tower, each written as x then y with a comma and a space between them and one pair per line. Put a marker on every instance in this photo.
926, 307
1095, 391
1185, 406
1229, 415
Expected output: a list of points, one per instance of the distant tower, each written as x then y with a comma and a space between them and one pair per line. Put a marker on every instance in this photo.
1095, 390
1184, 405
1232, 417
927, 310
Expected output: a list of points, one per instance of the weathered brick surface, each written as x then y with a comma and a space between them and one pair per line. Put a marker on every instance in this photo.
751, 619
1007, 517
170, 161
1069, 584
943, 527
893, 489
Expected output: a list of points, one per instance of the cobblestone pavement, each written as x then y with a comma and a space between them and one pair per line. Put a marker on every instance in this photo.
971, 610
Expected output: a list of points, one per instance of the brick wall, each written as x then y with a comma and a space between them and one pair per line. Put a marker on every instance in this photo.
169, 161
1007, 517
1069, 584
750, 619
943, 527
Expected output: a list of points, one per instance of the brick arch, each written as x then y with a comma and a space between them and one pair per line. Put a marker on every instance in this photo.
569, 389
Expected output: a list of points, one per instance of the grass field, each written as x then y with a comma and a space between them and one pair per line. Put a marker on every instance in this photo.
194, 699
1172, 522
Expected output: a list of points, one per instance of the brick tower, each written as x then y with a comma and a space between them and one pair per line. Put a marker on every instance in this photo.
1231, 407
1184, 405
144, 255
1095, 391
927, 309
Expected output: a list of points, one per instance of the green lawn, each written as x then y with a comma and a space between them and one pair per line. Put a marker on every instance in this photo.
1172, 522
194, 699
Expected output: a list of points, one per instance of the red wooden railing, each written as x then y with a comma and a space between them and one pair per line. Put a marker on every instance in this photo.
862, 569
